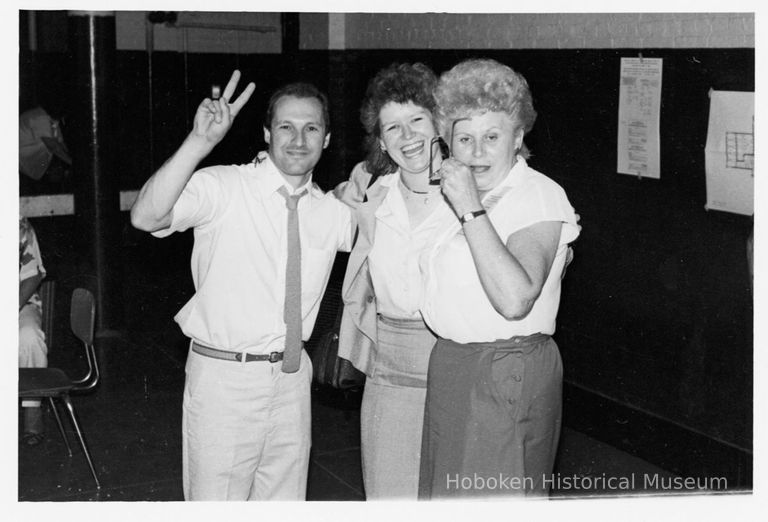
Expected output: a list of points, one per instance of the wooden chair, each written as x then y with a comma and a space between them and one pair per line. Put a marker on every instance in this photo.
53, 383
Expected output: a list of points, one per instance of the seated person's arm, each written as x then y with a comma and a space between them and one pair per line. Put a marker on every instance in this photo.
27, 287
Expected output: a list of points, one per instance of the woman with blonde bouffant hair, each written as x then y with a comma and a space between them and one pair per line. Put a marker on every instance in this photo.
491, 294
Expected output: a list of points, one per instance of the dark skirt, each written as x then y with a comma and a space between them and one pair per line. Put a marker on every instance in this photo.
492, 418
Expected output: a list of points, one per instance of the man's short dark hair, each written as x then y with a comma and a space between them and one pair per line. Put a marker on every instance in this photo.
298, 90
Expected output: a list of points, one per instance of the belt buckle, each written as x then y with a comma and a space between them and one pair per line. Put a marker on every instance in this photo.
239, 356
274, 357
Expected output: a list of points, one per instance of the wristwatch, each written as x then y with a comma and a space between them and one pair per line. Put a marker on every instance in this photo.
469, 216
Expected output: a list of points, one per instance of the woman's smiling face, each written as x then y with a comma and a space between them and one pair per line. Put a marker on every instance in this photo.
406, 131
488, 144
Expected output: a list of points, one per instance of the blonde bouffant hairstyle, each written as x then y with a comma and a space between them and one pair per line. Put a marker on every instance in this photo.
478, 86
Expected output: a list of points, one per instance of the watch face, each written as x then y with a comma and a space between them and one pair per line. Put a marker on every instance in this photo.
469, 216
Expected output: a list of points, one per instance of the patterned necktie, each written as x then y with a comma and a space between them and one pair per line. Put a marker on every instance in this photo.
292, 309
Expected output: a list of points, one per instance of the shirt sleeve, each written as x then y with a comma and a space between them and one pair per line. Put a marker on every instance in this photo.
352, 193
543, 200
30, 260
199, 204
353, 190
347, 227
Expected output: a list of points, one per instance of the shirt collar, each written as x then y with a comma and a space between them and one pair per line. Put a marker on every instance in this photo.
270, 179
390, 180
512, 179
515, 175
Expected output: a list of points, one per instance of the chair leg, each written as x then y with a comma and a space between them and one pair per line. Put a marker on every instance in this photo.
71, 409
61, 426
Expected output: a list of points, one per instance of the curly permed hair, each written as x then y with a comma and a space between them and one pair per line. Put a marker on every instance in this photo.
478, 86
399, 83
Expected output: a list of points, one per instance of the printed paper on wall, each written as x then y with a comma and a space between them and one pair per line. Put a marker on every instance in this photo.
730, 152
639, 112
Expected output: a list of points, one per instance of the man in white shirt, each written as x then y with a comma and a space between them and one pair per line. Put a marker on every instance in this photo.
246, 415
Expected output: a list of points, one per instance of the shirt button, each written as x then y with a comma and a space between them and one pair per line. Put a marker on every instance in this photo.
516, 378
369, 299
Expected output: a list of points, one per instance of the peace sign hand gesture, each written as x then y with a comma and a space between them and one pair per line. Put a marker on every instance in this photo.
214, 118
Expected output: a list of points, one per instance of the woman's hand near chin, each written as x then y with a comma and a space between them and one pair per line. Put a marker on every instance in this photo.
459, 187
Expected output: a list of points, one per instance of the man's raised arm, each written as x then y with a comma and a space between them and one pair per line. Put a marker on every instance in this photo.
153, 207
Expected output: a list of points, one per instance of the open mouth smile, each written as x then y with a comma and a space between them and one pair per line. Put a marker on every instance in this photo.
413, 150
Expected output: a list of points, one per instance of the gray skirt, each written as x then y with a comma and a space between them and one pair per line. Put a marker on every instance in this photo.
392, 412
492, 418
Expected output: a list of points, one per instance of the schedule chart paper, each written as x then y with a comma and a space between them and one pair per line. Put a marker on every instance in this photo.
639, 114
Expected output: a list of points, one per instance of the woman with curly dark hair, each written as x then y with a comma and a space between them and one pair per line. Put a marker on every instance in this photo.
382, 331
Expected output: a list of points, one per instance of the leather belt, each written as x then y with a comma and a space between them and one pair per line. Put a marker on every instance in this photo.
235, 356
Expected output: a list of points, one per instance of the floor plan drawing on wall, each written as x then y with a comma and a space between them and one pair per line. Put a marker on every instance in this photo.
730, 152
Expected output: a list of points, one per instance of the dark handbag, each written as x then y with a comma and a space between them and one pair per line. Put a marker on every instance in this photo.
330, 369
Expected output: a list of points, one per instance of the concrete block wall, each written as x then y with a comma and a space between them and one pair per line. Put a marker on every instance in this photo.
527, 30
320, 31
228, 32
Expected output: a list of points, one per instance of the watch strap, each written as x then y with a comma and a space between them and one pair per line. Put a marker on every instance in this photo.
469, 216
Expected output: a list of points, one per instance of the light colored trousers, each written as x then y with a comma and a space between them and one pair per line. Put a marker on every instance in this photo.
33, 353
392, 411
245, 430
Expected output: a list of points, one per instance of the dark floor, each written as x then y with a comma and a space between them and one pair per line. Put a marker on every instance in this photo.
132, 425
132, 420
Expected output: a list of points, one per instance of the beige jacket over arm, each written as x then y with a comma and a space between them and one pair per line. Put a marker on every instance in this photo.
358, 332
